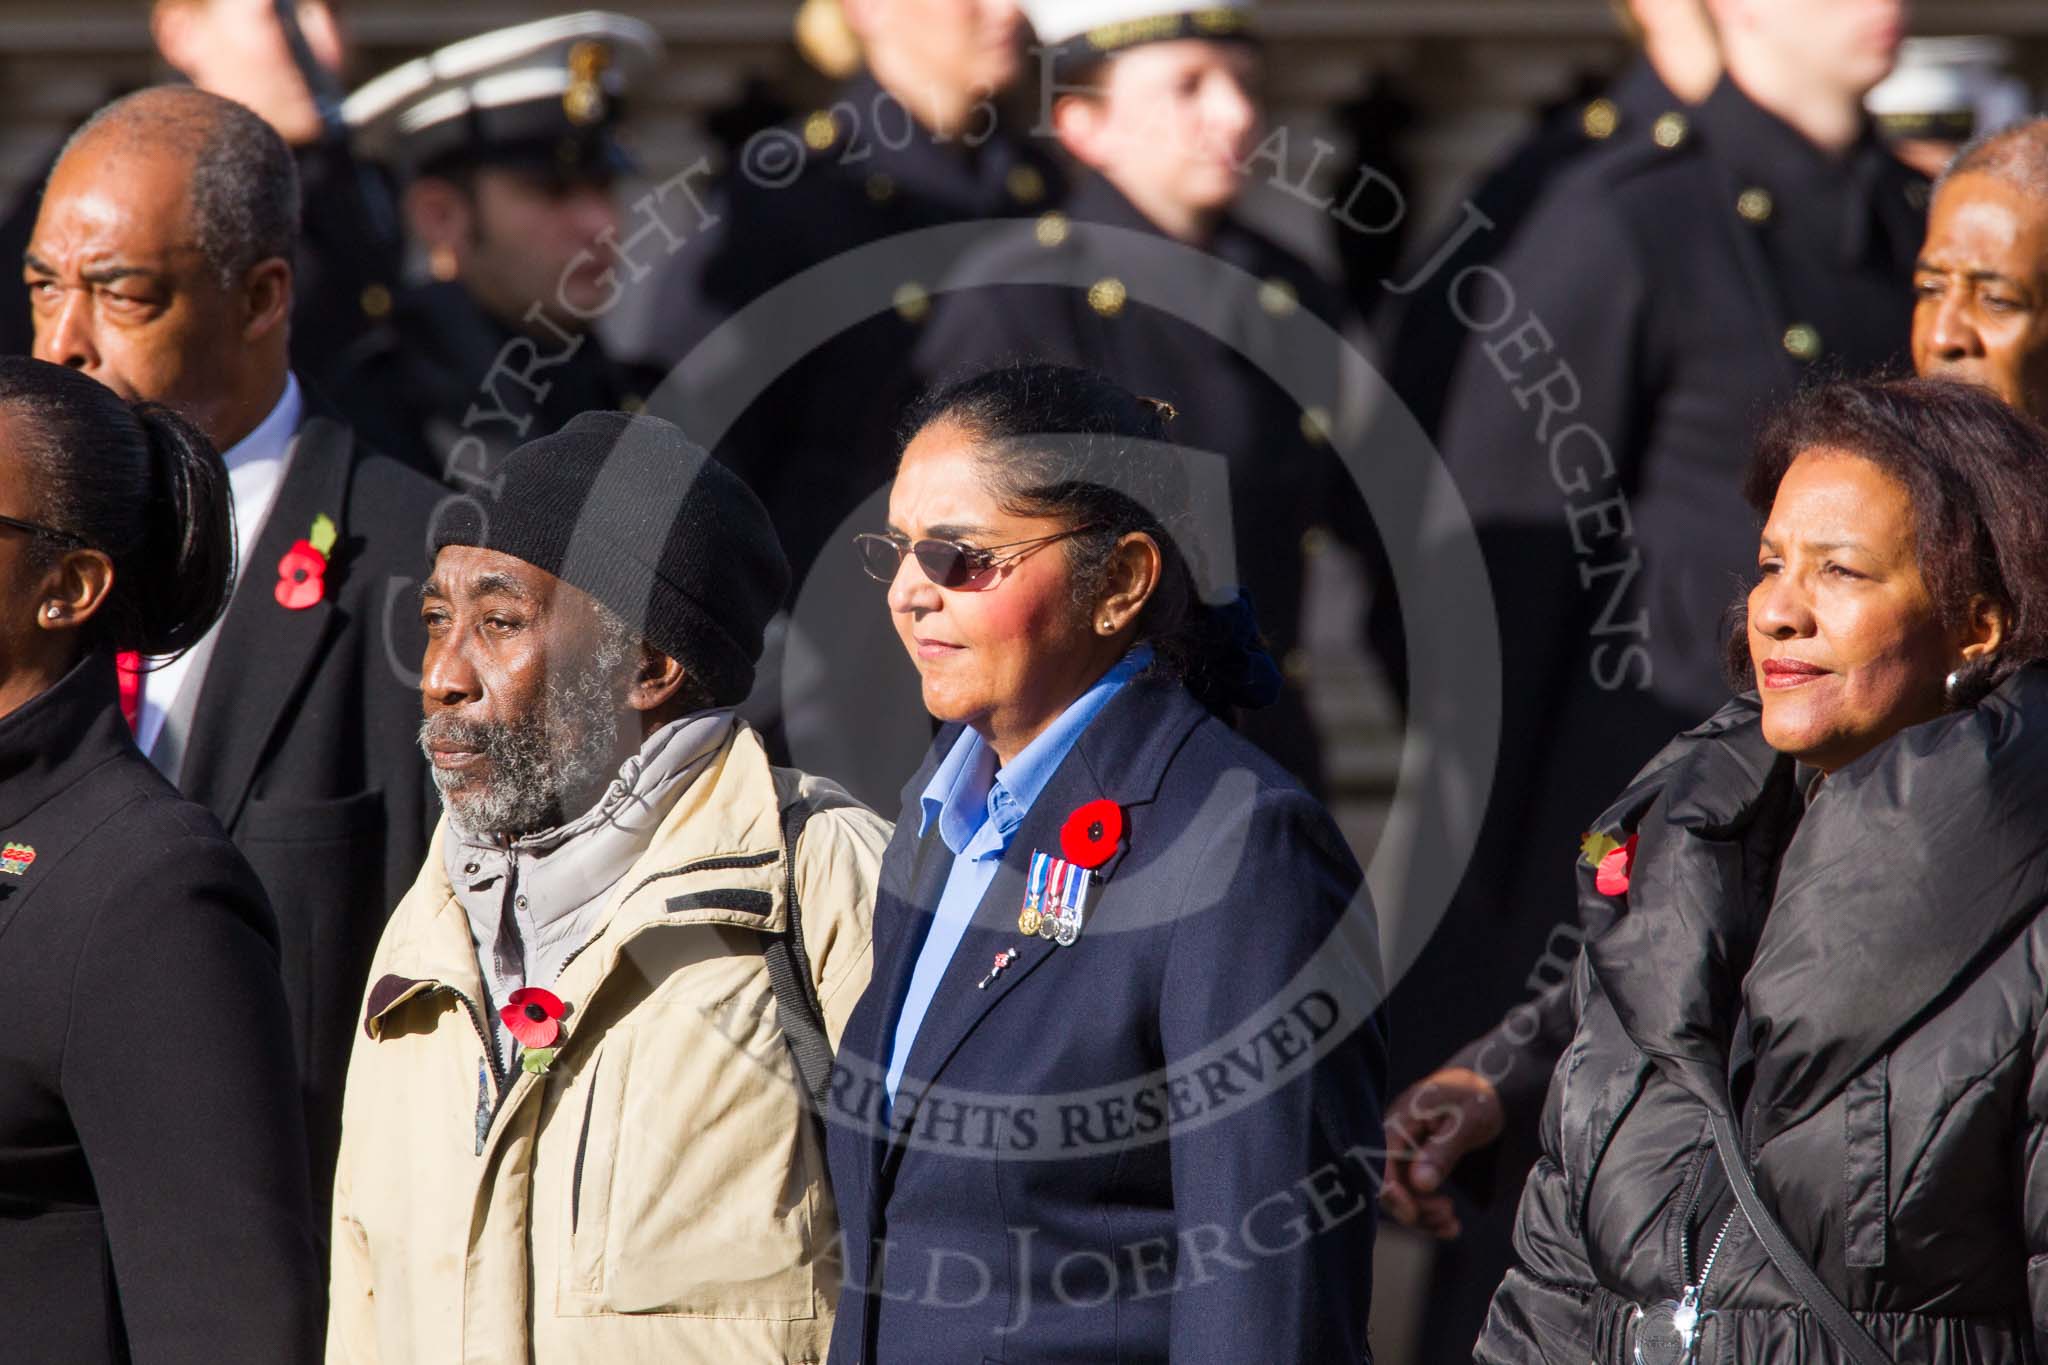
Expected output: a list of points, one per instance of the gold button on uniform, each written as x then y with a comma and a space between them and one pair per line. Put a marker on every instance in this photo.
376, 301
1051, 230
912, 302
1277, 297
1025, 184
1599, 119
1754, 205
881, 187
1669, 130
820, 131
1802, 342
1107, 296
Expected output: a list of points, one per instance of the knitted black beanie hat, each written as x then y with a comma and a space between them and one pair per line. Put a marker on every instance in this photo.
630, 511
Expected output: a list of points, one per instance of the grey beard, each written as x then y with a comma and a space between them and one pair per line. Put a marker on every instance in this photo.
537, 765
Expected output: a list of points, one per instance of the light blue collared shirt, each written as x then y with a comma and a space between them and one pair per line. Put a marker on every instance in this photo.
978, 810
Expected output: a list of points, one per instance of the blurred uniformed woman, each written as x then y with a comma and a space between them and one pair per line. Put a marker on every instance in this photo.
1157, 102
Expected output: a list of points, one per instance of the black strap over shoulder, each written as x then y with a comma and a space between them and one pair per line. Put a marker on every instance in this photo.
797, 1009
1839, 1322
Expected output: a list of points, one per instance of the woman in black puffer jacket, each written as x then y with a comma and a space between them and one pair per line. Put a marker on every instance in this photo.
1832, 937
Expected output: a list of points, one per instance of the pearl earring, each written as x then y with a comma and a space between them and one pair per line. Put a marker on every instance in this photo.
54, 612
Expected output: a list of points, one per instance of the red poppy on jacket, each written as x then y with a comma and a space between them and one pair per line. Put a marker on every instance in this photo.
1091, 833
1612, 876
532, 1014
301, 576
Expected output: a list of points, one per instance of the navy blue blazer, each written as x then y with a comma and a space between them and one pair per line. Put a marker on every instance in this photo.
1159, 1142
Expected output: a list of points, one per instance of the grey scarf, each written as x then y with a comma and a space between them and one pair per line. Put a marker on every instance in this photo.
533, 902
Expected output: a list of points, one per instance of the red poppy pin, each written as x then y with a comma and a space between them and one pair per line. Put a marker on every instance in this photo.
302, 573
534, 1017
1611, 861
1090, 835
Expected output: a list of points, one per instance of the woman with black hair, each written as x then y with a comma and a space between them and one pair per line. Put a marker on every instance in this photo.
1804, 1111
1114, 1091
153, 1194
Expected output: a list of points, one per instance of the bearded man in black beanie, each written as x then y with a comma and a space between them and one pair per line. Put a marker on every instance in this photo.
579, 1119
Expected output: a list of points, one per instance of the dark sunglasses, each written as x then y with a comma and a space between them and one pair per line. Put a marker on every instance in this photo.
47, 532
947, 563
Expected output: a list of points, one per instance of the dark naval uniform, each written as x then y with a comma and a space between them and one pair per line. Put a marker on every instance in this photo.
1426, 335
820, 438
1284, 481
440, 383
426, 386
1654, 307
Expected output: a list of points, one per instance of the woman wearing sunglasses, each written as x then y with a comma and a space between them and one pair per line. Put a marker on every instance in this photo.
152, 1158
1114, 1091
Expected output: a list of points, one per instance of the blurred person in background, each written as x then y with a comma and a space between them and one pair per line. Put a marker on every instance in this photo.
507, 147
920, 136
348, 253
1159, 106
1656, 300
1980, 291
161, 266
1676, 64
152, 1154
1945, 93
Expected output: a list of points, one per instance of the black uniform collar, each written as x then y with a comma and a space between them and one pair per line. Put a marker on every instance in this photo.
1094, 200
51, 742
1640, 94
888, 141
1822, 198
448, 320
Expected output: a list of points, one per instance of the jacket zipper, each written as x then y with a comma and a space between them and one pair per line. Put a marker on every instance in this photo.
582, 1145
1686, 1315
487, 1066
1692, 1209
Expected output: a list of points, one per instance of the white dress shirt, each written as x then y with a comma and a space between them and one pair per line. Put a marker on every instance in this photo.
256, 466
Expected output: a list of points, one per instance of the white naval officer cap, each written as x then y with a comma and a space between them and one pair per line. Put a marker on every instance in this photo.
546, 92
1086, 31
1949, 90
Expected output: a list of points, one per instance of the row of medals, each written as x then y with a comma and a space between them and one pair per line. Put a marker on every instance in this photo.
1053, 898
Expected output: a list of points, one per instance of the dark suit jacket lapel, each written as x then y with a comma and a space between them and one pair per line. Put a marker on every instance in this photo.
264, 649
1122, 755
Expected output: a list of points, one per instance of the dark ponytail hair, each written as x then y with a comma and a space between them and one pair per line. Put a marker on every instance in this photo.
140, 484
1073, 446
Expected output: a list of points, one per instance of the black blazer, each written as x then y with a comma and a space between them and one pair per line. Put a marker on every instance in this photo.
1158, 1142
304, 741
153, 1193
